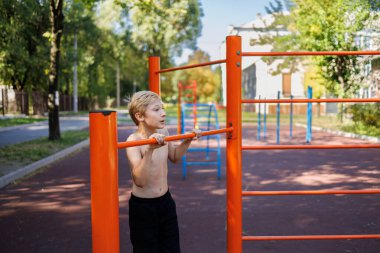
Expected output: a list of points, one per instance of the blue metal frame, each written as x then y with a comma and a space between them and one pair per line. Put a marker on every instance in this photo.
205, 123
309, 115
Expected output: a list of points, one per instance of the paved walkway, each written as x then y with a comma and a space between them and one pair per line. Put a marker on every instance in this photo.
50, 212
29, 132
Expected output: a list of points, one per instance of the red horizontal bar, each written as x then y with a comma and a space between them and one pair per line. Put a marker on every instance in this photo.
317, 192
314, 100
310, 53
128, 144
347, 146
309, 237
191, 66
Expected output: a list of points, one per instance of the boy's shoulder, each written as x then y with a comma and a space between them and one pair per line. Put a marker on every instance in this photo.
134, 136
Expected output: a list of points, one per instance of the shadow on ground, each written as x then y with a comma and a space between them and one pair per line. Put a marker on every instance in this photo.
50, 212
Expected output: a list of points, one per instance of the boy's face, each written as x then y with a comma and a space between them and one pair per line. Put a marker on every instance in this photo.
154, 115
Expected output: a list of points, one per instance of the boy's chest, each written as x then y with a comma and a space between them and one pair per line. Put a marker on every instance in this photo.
159, 154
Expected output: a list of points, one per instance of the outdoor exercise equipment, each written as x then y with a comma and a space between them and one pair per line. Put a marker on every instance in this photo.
309, 115
185, 97
103, 155
207, 119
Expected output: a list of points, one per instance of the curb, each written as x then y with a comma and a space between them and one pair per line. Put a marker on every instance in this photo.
5, 180
344, 134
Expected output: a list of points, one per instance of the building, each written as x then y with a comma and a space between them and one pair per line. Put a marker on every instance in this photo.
258, 82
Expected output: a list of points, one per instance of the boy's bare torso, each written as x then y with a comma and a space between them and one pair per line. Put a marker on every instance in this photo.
157, 184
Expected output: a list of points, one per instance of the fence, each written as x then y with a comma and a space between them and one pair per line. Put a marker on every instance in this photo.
19, 102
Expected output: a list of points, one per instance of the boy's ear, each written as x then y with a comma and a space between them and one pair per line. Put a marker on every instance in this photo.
139, 116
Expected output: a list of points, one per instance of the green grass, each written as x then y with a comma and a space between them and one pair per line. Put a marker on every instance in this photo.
359, 128
19, 121
18, 155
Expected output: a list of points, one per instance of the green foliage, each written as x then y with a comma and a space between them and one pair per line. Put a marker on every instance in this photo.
19, 121
109, 33
165, 27
367, 114
322, 26
23, 49
208, 80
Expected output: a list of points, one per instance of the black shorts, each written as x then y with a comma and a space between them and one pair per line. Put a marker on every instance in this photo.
153, 224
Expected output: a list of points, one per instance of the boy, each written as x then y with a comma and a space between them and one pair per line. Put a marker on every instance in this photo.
152, 211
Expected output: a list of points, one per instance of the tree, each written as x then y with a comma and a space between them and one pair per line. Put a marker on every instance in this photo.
22, 45
163, 28
324, 26
56, 22
208, 79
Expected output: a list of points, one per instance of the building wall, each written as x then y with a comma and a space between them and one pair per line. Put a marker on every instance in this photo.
266, 84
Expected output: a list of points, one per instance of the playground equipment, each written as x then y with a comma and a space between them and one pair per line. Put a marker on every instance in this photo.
188, 98
203, 116
309, 116
103, 152
207, 119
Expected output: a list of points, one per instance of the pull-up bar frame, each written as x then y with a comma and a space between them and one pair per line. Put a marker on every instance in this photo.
104, 162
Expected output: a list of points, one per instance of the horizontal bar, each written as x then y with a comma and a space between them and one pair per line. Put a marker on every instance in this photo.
316, 192
191, 66
313, 100
347, 146
310, 237
310, 53
128, 144
202, 149
201, 163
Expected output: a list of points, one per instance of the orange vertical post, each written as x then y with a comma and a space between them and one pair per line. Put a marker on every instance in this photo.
234, 160
179, 112
104, 182
154, 77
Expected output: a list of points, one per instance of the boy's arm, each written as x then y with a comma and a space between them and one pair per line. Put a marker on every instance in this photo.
141, 164
175, 153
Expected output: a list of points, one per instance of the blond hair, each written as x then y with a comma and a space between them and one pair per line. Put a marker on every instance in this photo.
139, 102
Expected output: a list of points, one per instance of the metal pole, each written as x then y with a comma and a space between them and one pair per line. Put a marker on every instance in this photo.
309, 111
234, 163
259, 122
265, 121
104, 182
154, 76
291, 118
278, 120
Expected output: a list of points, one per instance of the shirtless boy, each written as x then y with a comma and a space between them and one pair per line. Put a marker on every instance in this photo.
152, 211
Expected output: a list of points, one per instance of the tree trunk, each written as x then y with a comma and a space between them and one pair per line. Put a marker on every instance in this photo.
56, 20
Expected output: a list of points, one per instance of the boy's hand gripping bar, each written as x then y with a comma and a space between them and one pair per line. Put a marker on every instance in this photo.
128, 144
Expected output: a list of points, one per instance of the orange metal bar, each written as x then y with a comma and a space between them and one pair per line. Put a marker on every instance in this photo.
317, 192
179, 113
154, 76
191, 66
310, 237
320, 100
104, 182
233, 152
347, 146
128, 144
310, 53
